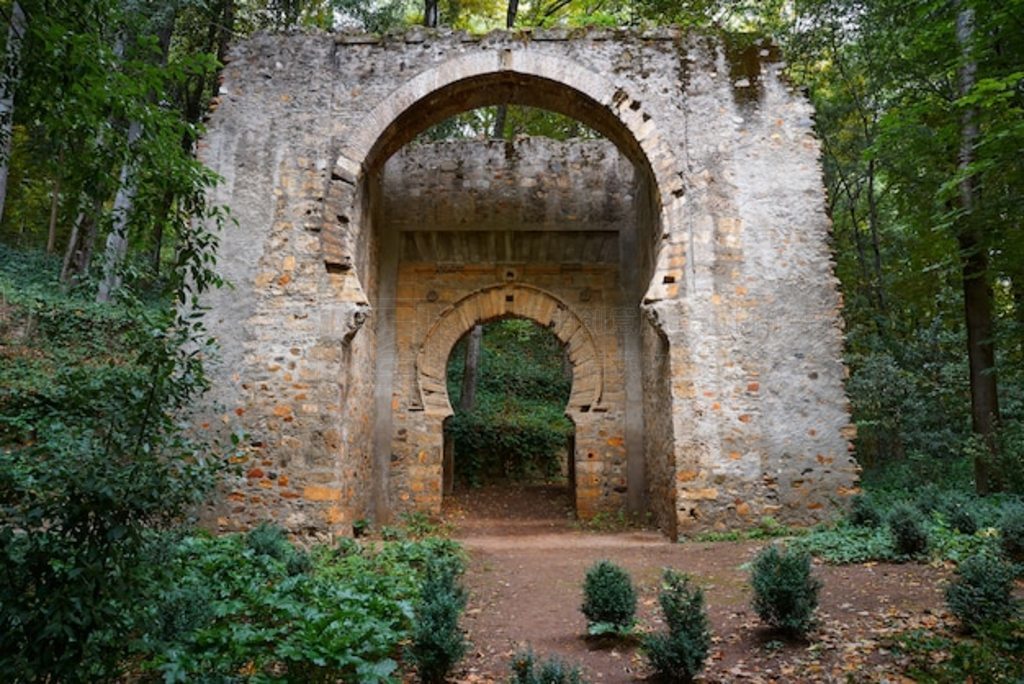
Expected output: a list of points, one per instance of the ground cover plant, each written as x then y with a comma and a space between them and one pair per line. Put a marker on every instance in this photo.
240, 607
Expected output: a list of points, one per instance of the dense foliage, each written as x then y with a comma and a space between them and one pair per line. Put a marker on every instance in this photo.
921, 125
94, 456
517, 426
679, 655
906, 524
248, 605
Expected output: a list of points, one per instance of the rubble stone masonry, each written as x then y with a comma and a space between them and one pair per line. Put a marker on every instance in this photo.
682, 259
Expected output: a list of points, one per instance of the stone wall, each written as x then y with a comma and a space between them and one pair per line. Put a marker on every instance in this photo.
729, 263
526, 228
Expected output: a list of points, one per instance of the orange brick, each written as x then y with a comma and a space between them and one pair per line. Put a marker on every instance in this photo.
320, 493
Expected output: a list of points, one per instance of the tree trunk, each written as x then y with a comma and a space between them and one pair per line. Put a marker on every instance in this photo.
430, 13
78, 256
510, 16
117, 239
502, 114
467, 400
163, 218
69, 253
51, 235
11, 76
875, 241
124, 200
227, 30
499, 122
974, 262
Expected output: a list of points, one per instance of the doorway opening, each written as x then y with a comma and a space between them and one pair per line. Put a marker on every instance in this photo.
509, 447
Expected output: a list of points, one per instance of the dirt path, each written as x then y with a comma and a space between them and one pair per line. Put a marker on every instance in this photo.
526, 568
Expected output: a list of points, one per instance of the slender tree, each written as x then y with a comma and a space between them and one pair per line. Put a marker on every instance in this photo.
10, 79
471, 370
981, 354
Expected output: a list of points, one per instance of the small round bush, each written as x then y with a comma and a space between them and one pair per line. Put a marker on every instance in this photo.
785, 591
982, 593
960, 514
526, 669
908, 532
269, 540
864, 512
1011, 527
929, 499
609, 600
679, 655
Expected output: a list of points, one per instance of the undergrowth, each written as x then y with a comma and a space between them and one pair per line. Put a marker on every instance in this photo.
994, 655
767, 528
238, 607
956, 523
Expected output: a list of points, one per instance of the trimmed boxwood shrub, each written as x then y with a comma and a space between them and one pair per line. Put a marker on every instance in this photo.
909, 535
864, 512
609, 600
785, 591
437, 641
679, 655
982, 592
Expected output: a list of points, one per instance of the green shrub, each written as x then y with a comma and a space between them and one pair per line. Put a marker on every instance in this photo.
437, 642
527, 670
785, 591
960, 514
267, 539
864, 512
1011, 527
609, 600
982, 593
271, 541
180, 611
679, 655
95, 458
908, 531
930, 498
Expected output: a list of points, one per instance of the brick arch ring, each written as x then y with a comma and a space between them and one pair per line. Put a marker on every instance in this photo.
508, 301
536, 79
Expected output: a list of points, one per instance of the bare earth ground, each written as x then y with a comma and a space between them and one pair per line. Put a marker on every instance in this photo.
527, 562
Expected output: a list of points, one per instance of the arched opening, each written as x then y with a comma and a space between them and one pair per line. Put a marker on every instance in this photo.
578, 219
509, 443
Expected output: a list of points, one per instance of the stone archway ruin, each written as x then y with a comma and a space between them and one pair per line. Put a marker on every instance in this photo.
691, 247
